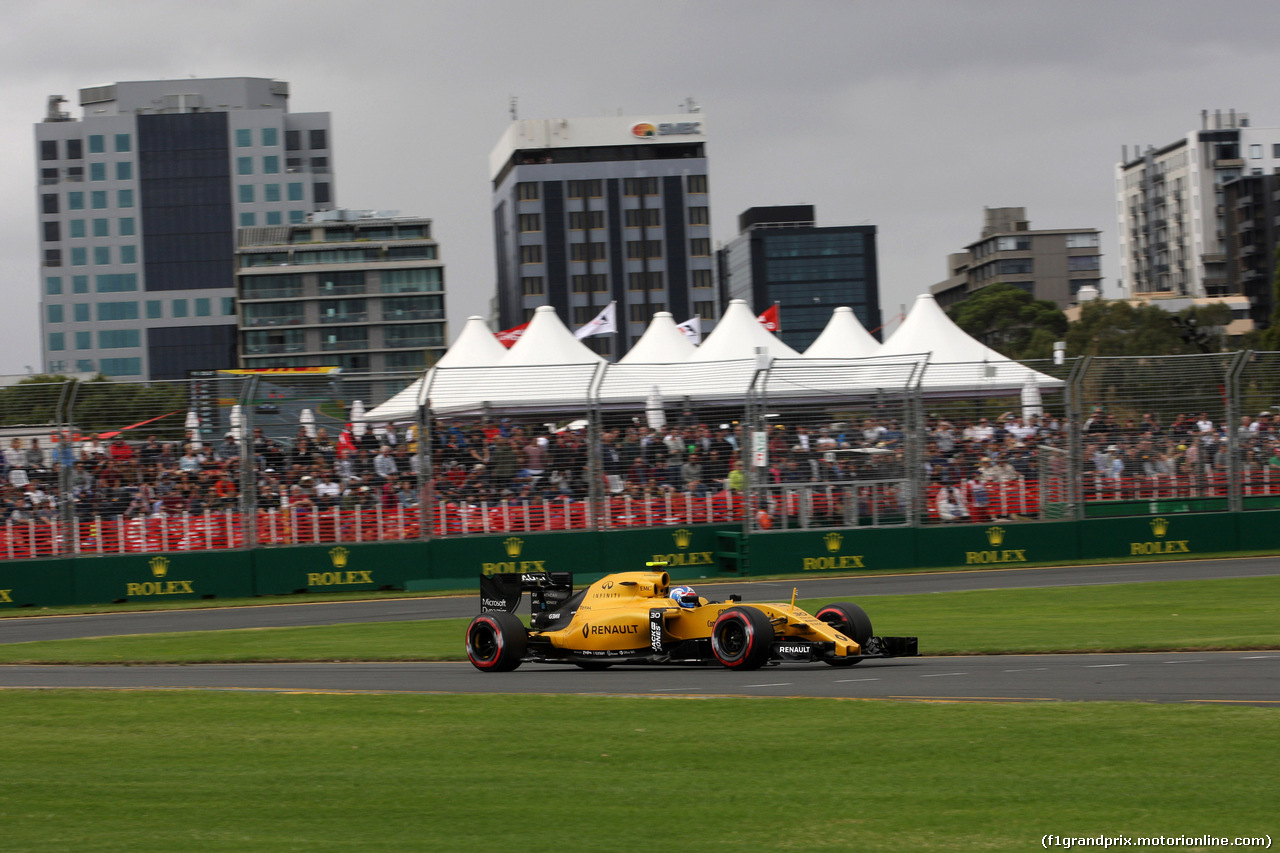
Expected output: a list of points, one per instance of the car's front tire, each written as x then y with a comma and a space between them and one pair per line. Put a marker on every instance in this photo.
742, 638
496, 642
850, 620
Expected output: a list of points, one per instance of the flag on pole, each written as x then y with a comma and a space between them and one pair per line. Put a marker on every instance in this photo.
692, 329
769, 319
508, 337
603, 324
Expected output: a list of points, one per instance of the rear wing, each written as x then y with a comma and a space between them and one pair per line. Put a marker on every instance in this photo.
547, 590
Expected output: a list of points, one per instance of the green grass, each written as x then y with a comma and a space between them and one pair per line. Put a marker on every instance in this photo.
1234, 613
198, 771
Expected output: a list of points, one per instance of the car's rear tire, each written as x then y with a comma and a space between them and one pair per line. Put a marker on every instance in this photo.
850, 620
496, 642
742, 638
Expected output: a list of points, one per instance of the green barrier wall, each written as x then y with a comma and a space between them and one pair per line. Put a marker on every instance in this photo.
1172, 537
36, 583
339, 568
163, 577
996, 545
843, 550
1257, 531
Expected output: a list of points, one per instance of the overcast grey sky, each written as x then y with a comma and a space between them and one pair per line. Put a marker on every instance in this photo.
907, 115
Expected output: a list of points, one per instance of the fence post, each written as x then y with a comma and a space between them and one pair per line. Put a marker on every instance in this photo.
1073, 423
248, 471
1235, 447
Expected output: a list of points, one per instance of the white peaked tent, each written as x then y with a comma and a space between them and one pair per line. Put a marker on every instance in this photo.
957, 362
548, 341
736, 336
476, 346
844, 337
662, 343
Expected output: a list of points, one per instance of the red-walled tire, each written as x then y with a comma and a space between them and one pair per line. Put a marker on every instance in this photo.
850, 620
742, 638
496, 642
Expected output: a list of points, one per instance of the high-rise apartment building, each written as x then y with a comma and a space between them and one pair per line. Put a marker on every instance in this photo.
781, 256
360, 290
588, 211
138, 203
1050, 264
1175, 238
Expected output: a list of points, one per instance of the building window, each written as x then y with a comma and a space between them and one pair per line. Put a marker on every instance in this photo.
270, 192
245, 193
270, 137
97, 171
1083, 262
318, 139
528, 191
532, 285
124, 170
52, 231
111, 311
155, 309
1013, 244
80, 312
430, 280
1015, 266
75, 149
528, 314
530, 254
49, 149
597, 282
1255, 152
53, 313
697, 183
248, 220
101, 255
1082, 241
97, 144
649, 217
228, 306
123, 143
57, 341
699, 216
244, 137
293, 140
705, 310
203, 308
84, 340
530, 222
120, 366
644, 313
586, 251
124, 198
102, 227
583, 314
275, 217
700, 246
655, 279
320, 194
271, 165
297, 217
124, 282
53, 285
637, 249
79, 256
582, 219
76, 227
295, 193
701, 278
244, 165
126, 226
75, 201
128, 254
640, 186
586, 189
49, 203
179, 308
79, 284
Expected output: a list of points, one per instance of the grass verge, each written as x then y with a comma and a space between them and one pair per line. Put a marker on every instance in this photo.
165, 771
1232, 613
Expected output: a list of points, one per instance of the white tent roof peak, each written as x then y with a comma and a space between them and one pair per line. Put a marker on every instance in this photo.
736, 336
927, 328
662, 343
844, 337
548, 341
475, 347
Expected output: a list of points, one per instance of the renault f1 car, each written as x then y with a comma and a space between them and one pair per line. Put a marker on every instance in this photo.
637, 618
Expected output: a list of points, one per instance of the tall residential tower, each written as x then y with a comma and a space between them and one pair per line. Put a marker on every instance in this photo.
139, 201
588, 211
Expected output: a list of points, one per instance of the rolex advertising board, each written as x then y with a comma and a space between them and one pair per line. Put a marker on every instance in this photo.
1173, 536
35, 583
340, 567
996, 545
163, 577
842, 550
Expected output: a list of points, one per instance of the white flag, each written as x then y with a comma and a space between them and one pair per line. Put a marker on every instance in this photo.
603, 324
692, 329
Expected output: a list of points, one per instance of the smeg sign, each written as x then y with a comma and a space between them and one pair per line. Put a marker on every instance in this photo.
647, 130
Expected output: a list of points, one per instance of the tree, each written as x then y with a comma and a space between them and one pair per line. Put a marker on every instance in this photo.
1011, 321
1115, 327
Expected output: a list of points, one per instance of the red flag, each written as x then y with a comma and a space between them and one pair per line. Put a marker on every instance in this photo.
508, 337
769, 319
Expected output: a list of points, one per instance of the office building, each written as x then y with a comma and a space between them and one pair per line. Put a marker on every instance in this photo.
1175, 234
598, 210
139, 201
781, 256
360, 290
1049, 264
1251, 207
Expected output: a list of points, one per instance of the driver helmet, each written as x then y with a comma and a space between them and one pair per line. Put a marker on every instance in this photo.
684, 596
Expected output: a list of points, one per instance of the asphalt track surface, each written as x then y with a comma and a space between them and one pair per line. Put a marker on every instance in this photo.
1207, 677
1219, 677
28, 629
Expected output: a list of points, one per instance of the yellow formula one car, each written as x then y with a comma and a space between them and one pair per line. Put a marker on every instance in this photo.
637, 617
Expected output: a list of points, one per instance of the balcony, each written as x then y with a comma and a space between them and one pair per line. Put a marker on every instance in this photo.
341, 346
260, 322
1227, 163
268, 349
361, 317
422, 314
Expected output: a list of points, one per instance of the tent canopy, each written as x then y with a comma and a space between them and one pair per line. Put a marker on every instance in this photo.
736, 336
844, 337
662, 343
